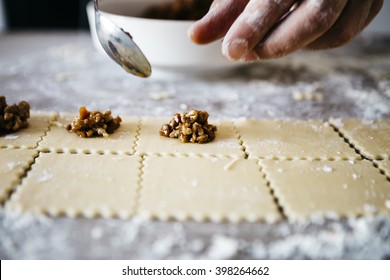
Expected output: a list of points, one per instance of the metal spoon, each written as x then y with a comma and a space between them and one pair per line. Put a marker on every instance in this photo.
119, 45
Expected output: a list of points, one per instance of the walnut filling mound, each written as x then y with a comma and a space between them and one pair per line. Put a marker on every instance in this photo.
13, 117
179, 10
190, 127
94, 123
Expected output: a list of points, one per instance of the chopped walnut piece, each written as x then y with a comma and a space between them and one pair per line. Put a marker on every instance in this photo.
13, 117
94, 123
190, 127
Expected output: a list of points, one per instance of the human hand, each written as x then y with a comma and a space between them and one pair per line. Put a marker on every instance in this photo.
264, 29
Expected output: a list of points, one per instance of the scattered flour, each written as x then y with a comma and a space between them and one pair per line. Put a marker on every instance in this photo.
45, 176
222, 247
327, 169
25, 236
162, 247
337, 122
11, 137
163, 95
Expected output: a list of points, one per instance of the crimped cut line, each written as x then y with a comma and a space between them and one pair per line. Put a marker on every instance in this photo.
203, 218
137, 136
272, 191
3, 147
14, 147
21, 176
77, 213
18, 147
51, 123
381, 170
307, 158
240, 141
137, 196
193, 155
346, 140
84, 151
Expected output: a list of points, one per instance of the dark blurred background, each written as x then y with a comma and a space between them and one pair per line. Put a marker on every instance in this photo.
45, 14
71, 14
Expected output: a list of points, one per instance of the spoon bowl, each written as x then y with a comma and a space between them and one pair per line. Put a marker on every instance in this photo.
120, 47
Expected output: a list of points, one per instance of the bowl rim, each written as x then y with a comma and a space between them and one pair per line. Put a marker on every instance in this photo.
127, 2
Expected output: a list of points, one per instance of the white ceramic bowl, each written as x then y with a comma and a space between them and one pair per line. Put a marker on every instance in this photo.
164, 42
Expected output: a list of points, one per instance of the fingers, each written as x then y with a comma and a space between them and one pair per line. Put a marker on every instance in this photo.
348, 25
263, 29
217, 22
375, 9
306, 23
258, 17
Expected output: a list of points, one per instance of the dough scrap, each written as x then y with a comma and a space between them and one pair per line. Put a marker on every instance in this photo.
307, 189
78, 184
13, 163
372, 138
28, 138
202, 188
122, 141
225, 144
284, 139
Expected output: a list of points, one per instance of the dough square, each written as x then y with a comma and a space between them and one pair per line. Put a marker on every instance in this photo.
307, 189
13, 163
372, 138
38, 124
201, 189
79, 184
122, 141
287, 139
385, 166
225, 144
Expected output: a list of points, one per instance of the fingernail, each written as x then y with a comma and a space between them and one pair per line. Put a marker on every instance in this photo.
235, 49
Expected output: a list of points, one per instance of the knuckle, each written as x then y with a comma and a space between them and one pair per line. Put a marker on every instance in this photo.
322, 14
344, 37
321, 21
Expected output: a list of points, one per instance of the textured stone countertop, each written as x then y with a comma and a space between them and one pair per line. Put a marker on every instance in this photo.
61, 71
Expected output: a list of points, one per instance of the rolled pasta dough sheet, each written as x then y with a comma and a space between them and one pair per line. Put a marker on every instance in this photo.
307, 189
13, 164
225, 144
371, 138
205, 189
122, 141
285, 139
79, 185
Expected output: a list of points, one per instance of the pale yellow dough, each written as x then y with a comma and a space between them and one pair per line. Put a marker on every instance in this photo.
137, 171
225, 144
13, 163
372, 138
79, 184
38, 124
292, 140
122, 141
306, 189
205, 188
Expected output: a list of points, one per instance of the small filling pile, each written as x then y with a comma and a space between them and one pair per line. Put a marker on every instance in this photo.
190, 127
94, 123
13, 117
179, 10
